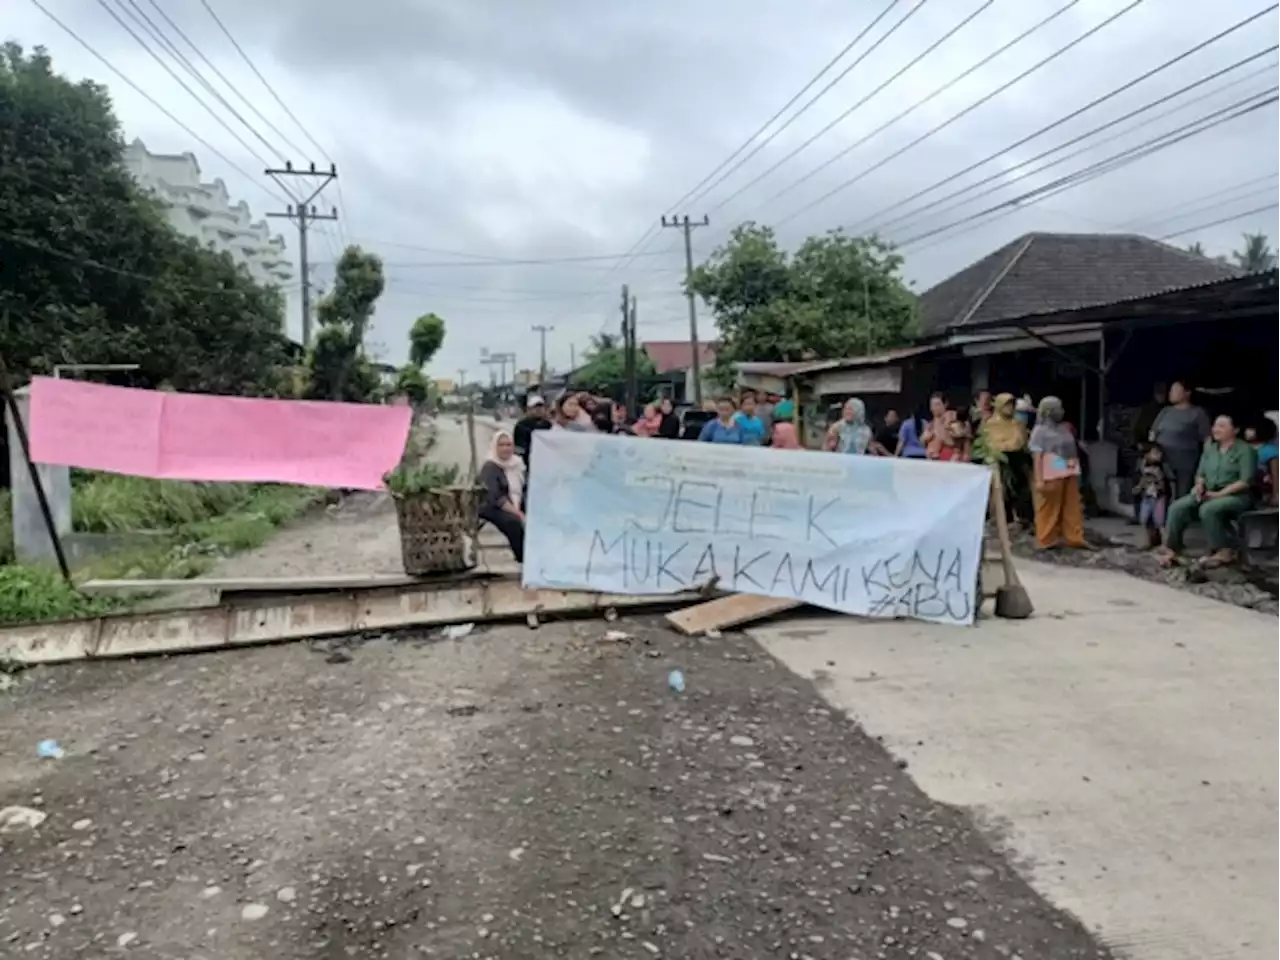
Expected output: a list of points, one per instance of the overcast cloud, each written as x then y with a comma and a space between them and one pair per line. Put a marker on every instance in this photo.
544, 129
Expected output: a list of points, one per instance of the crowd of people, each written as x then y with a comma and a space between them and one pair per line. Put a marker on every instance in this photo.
1190, 469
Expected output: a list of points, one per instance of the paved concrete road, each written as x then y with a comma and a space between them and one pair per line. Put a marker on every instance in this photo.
1123, 742
514, 794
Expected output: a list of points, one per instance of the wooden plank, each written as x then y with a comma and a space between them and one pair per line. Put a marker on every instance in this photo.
360, 581
276, 619
725, 612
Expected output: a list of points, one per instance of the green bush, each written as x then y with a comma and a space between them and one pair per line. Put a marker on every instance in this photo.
29, 594
109, 503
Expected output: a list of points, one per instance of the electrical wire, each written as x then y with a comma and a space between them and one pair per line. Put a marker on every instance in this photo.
1092, 31
820, 94
865, 223
1168, 214
1001, 178
221, 76
140, 17
786, 106
920, 103
118, 271
892, 79
151, 100
280, 102
1110, 164
700, 189
1220, 221
182, 83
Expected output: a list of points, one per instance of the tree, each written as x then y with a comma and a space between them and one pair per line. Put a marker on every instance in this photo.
339, 369
605, 368
1198, 249
836, 296
412, 383
426, 336
91, 271
1257, 255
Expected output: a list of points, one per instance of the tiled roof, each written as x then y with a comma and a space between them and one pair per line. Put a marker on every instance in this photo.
673, 355
1044, 272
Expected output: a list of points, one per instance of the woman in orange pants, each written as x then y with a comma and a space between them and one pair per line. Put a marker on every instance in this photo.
1059, 510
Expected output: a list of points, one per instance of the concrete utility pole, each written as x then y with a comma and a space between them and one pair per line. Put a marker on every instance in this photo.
542, 331
462, 379
688, 226
303, 212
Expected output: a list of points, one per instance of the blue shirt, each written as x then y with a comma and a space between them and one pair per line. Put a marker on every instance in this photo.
713, 431
1267, 452
909, 436
752, 428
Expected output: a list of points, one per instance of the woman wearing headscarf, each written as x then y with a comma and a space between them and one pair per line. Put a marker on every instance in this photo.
850, 434
1056, 464
503, 479
669, 429
1002, 433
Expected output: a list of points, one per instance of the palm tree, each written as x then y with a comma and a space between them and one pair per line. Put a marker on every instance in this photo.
1257, 255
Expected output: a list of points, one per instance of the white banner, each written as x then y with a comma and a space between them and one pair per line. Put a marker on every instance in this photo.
876, 536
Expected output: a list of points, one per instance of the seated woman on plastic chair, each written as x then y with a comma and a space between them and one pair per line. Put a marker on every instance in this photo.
503, 478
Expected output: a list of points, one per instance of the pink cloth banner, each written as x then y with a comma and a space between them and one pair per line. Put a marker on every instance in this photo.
194, 436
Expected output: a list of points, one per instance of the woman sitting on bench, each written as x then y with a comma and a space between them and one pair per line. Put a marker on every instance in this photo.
503, 479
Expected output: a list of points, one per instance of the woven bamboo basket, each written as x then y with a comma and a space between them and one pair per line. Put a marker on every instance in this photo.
438, 530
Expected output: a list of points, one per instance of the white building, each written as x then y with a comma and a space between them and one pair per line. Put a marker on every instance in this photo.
203, 211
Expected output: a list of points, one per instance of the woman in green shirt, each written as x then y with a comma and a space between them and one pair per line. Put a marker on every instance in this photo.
1221, 493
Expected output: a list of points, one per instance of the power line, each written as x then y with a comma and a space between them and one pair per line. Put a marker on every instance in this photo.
151, 100
1220, 221
702, 187
107, 268
788, 105
942, 206
921, 102
892, 78
820, 94
521, 262
862, 225
145, 22
182, 83
275, 96
965, 112
1167, 214
221, 76
1112, 163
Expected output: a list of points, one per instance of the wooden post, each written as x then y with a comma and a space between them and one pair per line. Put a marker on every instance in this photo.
20, 429
471, 438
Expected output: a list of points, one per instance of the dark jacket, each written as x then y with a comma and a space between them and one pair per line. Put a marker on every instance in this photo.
496, 489
522, 435
669, 429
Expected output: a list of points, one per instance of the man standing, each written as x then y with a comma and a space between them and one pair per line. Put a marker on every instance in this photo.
535, 418
886, 438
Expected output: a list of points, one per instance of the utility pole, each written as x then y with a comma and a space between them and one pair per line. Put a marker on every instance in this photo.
303, 212
688, 226
629, 351
573, 356
542, 331
462, 379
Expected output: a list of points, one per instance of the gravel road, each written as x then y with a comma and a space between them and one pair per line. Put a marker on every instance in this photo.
358, 535
511, 794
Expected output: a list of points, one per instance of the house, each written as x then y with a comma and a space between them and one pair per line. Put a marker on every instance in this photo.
673, 359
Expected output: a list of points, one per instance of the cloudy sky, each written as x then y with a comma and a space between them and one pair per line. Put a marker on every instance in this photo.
502, 155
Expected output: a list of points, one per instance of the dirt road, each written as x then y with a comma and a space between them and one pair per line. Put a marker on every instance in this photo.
509, 795
357, 536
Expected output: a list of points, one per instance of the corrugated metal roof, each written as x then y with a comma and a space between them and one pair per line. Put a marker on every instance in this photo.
793, 369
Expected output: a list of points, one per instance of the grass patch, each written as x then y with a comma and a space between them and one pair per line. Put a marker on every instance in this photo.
108, 503
194, 547
29, 594
202, 523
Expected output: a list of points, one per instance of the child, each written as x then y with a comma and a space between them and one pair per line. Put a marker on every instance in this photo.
1152, 489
